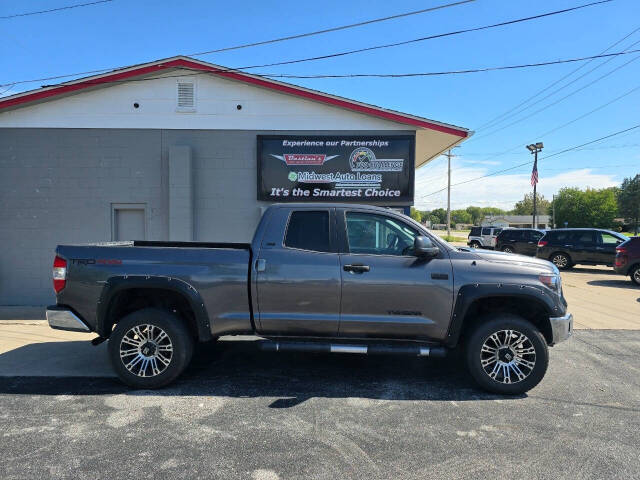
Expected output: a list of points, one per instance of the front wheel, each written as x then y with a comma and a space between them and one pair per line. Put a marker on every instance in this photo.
150, 348
506, 354
635, 274
508, 250
475, 244
561, 260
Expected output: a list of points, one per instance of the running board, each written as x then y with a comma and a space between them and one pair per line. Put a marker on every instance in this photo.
373, 349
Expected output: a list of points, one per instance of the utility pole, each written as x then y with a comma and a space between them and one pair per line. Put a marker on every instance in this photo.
553, 203
534, 148
449, 155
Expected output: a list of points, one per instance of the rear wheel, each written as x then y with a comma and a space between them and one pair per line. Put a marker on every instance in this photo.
475, 244
506, 354
150, 348
561, 260
635, 274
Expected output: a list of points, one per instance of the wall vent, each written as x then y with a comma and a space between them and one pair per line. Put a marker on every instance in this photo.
186, 96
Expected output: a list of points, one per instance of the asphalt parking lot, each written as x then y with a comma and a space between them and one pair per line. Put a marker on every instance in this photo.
242, 413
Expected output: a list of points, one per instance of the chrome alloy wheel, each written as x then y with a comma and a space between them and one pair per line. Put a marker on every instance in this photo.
636, 276
508, 356
146, 350
507, 250
559, 260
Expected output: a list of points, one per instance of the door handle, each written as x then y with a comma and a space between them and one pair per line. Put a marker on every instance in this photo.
356, 268
261, 265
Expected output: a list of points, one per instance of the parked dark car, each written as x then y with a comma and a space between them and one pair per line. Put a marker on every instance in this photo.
567, 247
627, 260
519, 240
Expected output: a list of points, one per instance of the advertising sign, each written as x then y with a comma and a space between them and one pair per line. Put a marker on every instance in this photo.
371, 169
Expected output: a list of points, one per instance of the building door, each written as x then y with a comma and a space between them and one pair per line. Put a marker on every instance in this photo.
128, 222
387, 292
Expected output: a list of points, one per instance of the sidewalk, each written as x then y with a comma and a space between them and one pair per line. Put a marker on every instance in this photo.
29, 348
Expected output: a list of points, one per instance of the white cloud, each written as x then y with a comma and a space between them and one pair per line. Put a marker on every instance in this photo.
500, 190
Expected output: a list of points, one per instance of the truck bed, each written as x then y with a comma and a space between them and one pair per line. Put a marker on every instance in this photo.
217, 273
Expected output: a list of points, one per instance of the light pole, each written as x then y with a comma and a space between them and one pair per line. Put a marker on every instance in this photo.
534, 148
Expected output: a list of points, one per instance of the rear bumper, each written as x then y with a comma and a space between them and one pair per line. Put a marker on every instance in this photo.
561, 327
62, 318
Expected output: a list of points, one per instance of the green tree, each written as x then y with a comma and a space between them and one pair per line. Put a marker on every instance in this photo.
476, 214
525, 206
588, 208
460, 216
629, 201
441, 213
416, 215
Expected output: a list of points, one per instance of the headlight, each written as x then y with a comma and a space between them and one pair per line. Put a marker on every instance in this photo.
551, 280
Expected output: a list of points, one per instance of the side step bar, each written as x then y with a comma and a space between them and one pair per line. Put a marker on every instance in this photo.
373, 349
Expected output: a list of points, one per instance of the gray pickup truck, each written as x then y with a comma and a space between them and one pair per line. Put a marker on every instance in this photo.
320, 278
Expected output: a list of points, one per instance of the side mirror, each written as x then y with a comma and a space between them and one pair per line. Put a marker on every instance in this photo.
424, 247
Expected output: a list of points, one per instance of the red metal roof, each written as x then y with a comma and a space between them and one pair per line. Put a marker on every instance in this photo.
51, 92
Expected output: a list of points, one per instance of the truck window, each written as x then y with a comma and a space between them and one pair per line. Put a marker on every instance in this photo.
308, 230
486, 231
378, 235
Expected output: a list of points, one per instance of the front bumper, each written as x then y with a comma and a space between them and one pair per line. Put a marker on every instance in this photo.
561, 328
62, 318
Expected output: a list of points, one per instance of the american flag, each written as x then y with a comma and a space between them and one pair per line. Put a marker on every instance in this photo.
534, 173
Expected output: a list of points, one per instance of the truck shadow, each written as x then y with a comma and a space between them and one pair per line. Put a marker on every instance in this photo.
622, 282
239, 369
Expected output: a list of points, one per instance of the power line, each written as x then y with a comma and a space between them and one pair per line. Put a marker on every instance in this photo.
566, 96
375, 75
328, 30
422, 39
530, 162
69, 7
441, 35
498, 118
449, 72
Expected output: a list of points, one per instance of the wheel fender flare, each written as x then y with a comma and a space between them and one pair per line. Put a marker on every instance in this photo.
468, 294
118, 284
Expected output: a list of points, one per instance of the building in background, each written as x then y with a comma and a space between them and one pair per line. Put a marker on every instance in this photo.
180, 149
515, 221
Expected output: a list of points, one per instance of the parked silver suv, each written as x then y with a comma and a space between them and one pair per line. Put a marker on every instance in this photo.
483, 237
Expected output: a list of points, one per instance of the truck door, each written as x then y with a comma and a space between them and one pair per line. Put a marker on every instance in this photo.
298, 274
387, 292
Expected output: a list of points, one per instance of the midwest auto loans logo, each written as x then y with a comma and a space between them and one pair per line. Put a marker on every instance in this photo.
364, 160
294, 159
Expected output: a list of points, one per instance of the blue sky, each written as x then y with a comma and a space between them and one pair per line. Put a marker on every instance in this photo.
124, 32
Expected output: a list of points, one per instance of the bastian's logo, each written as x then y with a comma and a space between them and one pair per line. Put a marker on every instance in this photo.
364, 160
304, 158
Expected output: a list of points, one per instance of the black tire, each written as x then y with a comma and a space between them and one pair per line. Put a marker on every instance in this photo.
177, 338
475, 356
561, 260
634, 273
475, 244
508, 249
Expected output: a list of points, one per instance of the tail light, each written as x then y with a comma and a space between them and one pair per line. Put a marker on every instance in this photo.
621, 249
59, 273
542, 243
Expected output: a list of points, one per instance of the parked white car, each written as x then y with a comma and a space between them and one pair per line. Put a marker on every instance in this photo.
483, 237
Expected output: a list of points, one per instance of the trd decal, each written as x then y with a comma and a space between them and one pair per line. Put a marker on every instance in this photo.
93, 261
